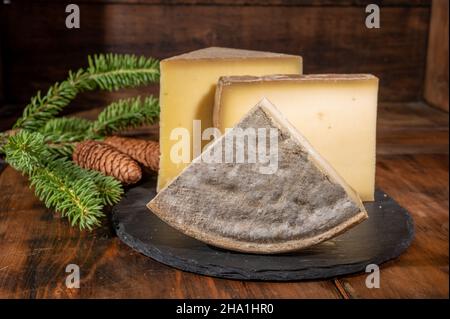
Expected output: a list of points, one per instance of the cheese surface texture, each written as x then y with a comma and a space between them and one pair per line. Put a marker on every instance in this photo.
335, 112
234, 205
188, 84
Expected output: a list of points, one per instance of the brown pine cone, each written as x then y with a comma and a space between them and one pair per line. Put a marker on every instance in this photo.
143, 151
108, 160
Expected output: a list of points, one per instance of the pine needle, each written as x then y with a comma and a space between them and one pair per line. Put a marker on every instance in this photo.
25, 150
76, 199
77, 194
109, 188
65, 125
61, 134
107, 72
126, 113
43, 108
114, 71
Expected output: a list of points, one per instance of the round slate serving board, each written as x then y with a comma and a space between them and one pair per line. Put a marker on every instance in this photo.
385, 235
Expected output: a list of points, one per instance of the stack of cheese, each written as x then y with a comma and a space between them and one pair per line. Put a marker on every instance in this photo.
329, 118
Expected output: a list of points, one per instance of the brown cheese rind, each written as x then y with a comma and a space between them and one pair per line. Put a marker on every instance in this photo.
226, 80
227, 53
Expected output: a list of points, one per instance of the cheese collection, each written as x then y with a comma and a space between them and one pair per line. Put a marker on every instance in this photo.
302, 181
236, 207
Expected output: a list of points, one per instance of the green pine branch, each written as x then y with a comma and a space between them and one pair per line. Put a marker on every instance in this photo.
110, 189
107, 72
43, 108
3, 141
114, 71
77, 199
24, 151
40, 145
62, 146
61, 134
126, 113
62, 125
77, 194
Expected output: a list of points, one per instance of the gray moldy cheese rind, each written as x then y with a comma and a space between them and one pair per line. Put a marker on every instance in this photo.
234, 206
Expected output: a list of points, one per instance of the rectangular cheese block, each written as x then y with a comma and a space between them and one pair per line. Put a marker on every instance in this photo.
335, 112
188, 84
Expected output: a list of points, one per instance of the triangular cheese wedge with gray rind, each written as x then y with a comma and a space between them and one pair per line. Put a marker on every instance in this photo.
235, 206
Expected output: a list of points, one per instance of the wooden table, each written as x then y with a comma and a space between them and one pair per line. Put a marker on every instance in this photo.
36, 245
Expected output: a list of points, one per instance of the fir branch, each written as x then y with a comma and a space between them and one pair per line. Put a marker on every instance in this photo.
24, 151
109, 188
3, 141
61, 134
76, 193
42, 108
64, 125
125, 114
107, 72
77, 199
63, 147
114, 71
40, 145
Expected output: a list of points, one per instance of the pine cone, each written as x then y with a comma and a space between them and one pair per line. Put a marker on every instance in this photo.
142, 151
108, 160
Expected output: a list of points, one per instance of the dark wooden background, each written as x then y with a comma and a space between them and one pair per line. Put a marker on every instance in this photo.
409, 53
37, 49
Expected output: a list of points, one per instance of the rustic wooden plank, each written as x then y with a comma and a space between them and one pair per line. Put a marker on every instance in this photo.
334, 3
420, 184
33, 257
411, 128
417, 141
436, 80
330, 39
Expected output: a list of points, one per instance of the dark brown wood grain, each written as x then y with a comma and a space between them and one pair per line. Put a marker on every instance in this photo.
330, 38
411, 128
436, 80
334, 3
36, 244
420, 184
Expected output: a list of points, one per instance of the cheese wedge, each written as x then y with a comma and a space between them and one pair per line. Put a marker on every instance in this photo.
243, 207
188, 84
335, 112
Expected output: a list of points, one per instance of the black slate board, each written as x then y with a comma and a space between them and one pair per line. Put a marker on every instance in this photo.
385, 235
